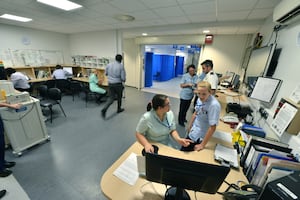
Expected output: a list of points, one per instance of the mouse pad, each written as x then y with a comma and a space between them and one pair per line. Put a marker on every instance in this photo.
155, 150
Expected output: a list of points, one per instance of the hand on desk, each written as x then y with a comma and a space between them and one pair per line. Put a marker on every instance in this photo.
199, 147
185, 142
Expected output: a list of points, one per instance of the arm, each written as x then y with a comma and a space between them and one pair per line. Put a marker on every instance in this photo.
181, 141
185, 85
143, 141
208, 135
14, 106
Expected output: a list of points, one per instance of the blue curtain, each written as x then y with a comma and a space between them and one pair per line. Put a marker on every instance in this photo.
179, 66
148, 69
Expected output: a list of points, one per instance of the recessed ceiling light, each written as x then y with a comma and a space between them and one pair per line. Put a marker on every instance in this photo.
144, 34
62, 4
206, 31
16, 18
124, 18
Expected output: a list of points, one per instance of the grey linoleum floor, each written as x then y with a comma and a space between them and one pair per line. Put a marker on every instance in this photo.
82, 147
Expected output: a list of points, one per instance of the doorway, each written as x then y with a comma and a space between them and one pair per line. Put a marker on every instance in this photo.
165, 64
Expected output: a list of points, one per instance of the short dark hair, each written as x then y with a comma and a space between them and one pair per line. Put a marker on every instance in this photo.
119, 57
190, 66
10, 71
58, 67
157, 101
208, 63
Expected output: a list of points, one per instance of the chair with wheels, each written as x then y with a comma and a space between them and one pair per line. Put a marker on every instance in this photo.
54, 98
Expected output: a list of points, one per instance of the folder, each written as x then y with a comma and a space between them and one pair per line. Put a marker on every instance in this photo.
261, 156
267, 164
226, 155
263, 142
253, 130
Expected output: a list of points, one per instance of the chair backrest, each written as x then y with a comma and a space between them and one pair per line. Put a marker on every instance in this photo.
50, 84
54, 94
75, 86
43, 91
62, 84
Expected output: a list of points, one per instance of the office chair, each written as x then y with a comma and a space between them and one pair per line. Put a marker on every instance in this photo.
63, 85
51, 84
42, 92
54, 98
75, 87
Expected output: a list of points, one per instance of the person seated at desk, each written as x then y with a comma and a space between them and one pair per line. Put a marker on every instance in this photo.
94, 84
60, 73
19, 80
204, 120
157, 124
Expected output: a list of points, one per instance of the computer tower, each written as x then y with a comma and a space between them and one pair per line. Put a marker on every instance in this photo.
24, 127
285, 188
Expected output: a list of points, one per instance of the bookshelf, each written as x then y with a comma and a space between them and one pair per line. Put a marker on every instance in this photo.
43, 73
90, 61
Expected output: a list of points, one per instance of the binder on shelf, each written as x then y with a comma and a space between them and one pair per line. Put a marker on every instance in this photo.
261, 156
263, 142
253, 130
267, 164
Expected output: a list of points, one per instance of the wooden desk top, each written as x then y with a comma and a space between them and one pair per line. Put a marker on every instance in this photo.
114, 188
37, 80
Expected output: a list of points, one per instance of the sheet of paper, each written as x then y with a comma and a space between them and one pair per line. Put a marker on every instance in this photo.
283, 118
295, 95
225, 136
128, 171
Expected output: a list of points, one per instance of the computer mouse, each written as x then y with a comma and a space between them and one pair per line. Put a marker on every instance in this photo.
155, 150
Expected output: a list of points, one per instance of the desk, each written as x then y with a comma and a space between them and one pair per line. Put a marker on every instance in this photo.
114, 188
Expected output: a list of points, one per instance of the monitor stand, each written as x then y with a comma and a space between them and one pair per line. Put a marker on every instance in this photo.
175, 193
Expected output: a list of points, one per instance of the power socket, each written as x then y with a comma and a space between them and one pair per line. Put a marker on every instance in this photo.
263, 113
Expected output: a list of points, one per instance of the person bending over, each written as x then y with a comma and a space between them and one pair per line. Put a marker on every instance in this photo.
19, 80
158, 124
204, 120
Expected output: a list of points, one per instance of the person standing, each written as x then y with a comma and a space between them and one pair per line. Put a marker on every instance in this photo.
158, 124
116, 75
211, 76
188, 83
205, 118
4, 172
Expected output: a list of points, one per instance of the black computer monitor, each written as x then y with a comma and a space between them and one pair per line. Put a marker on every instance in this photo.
235, 83
251, 80
183, 174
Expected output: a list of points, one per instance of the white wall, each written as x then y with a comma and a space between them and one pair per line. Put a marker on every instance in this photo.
98, 43
12, 36
131, 63
287, 70
226, 52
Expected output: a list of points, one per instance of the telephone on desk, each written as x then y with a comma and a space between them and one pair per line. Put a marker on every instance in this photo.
242, 193
230, 118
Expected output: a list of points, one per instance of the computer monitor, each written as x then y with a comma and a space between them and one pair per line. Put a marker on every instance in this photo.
265, 89
183, 174
251, 80
235, 83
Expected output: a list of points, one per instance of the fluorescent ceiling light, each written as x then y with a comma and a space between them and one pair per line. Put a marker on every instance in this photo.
206, 31
16, 18
144, 34
62, 4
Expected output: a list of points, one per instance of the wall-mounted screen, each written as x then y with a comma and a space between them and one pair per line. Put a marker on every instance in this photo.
265, 89
259, 61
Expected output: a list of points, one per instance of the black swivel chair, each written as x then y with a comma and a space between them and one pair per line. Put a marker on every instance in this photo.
51, 83
54, 98
63, 85
75, 88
